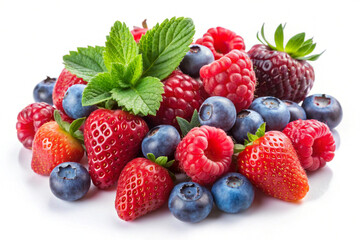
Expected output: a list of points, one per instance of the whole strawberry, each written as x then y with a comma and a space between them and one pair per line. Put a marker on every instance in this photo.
56, 142
144, 185
270, 162
284, 72
112, 138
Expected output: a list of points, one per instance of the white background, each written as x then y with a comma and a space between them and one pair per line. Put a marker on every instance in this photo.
34, 35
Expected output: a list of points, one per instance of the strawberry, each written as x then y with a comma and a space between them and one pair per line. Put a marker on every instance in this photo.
144, 185
271, 164
137, 32
56, 142
112, 138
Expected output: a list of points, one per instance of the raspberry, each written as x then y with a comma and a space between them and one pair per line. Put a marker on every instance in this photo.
205, 154
231, 76
30, 119
221, 41
182, 96
313, 142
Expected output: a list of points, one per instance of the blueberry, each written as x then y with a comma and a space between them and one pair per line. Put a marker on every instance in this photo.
218, 112
72, 102
161, 140
296, 111
194, 59
43, 90
247, 121
273, 111
69, 181
233, 193
190, 202
323, 108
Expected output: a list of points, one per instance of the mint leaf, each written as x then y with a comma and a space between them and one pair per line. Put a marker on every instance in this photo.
120, 46
85, 62
164, 46
127, 75
143, 98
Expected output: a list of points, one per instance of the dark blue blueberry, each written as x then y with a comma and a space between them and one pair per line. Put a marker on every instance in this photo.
161, 140
273, 111
296, 111
43, 90
69, 181
194, 59
323, 108
247, 121
233, 193
218, 112
72, 102
190, 202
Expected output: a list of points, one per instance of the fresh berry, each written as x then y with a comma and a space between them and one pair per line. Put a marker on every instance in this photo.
296, 111
43, 90
65, 80
30, 119
194, 59
55, 143
284, 72
233, 193
137, 32
221, 41
204, 154
270, 162
313, 142
72, 102
69, 181
231, 76
161, 140
190, 202
323, 108
274, 112
247, 121
218, 112
112, 138
144, 185
182, 96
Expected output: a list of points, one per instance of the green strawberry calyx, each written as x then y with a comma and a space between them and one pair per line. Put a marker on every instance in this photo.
186, 126
71, 128
260, 132
297, 47
163, 162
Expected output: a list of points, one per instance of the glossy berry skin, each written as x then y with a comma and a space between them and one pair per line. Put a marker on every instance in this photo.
72, 102
194, 59
204, 154
53, 146
221, 41
69, 181
231, 76
161, 140
233, 193
30, 119
143, 186
323, 108
272, 165
43, 90
247, 121
274, 112
296, 111
279, 75
190, 202
112, 138
313, 142
218, 112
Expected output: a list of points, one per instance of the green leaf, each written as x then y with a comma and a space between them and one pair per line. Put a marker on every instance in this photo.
311, 57
118, 75
260, 132
238, 148
295, 43
304, 50
120, 46
75, 125
263, 36
144, 98
161, 160
65, 126
252, 137
279, 38
151, 157
134, 70
186, 126
164, 46
85, 63
127, 75
169, 163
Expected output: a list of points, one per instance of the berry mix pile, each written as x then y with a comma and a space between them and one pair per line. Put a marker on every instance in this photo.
153, 104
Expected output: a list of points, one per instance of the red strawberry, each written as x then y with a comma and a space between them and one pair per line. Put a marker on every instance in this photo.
271, 164
112, 138
55, 143
144, 185
137, 32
